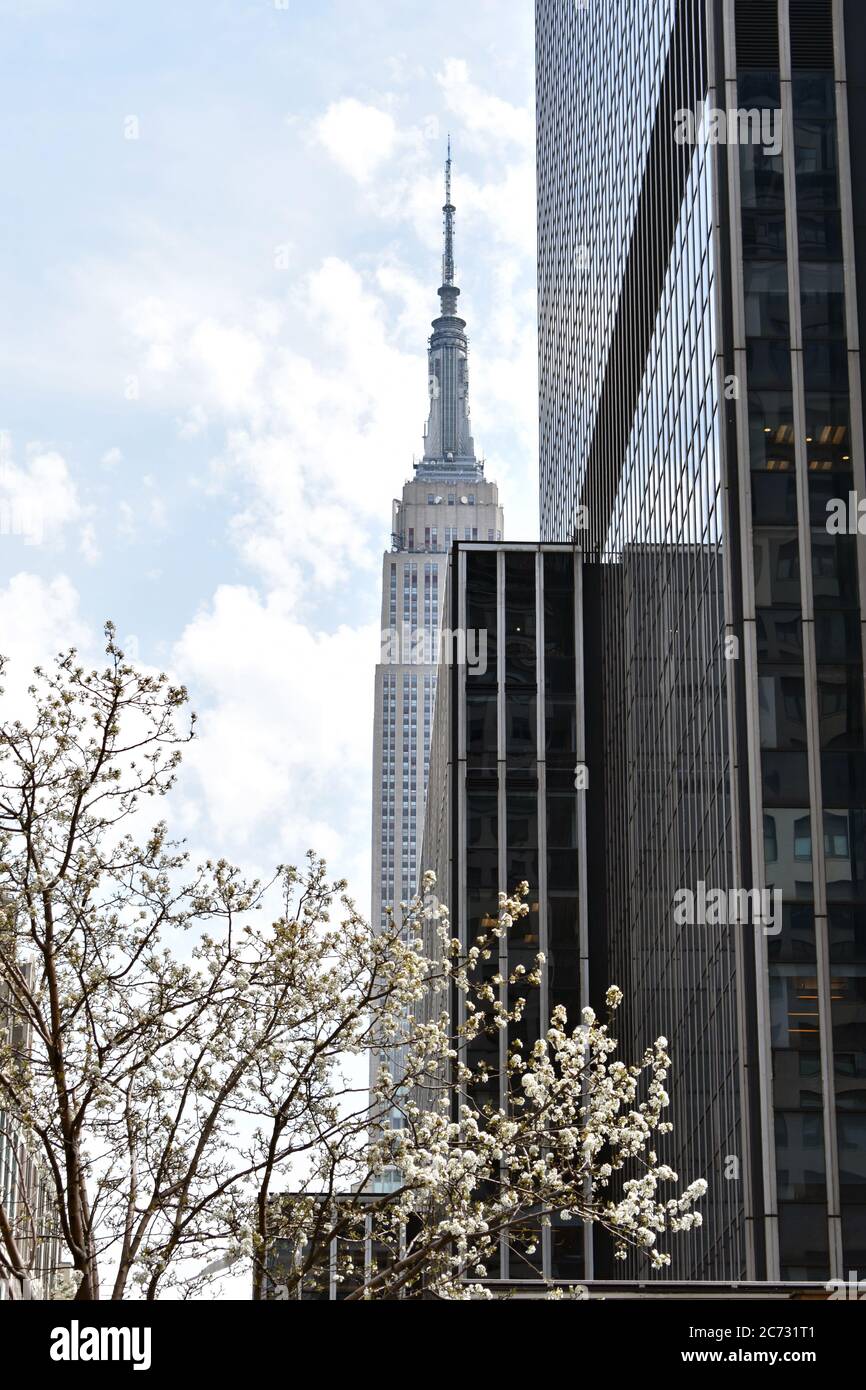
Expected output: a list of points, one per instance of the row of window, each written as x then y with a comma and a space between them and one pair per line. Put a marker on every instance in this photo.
450, 534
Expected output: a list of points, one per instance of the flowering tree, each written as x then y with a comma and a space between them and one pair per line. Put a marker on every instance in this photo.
195, 1048
468, 1175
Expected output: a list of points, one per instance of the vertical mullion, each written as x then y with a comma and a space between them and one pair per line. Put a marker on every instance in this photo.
541, 813
501, 843
810, 668
459, 687
852, 330
580, 813
749, 656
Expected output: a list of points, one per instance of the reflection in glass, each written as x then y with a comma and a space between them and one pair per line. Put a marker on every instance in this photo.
520, 623
782, 706
801, 1174
845, 854
788, 852
794, 1010
777, 569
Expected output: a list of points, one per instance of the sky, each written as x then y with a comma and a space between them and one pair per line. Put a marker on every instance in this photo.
220, 242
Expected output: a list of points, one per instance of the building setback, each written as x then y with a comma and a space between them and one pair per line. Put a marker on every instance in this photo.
702, 274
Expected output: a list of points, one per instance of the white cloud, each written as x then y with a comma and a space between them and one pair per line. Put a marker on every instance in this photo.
282, 762
87, 547
483, 115
38, 499
506, 205
230, 359
38, 619
316, 441
358, 137
413, 296
126, 526
503, 203
193, 423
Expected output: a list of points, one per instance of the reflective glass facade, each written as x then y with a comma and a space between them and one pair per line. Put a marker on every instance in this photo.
701, 404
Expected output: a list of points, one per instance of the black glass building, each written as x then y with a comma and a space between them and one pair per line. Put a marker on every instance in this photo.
507, 802
702, 280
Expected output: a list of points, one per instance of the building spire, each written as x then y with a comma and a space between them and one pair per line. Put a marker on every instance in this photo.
448, 210
448, 443
448, 291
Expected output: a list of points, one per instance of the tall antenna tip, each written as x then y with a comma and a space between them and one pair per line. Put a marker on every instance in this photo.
448, 257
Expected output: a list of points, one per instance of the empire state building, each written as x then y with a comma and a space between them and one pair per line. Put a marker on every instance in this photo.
448, 499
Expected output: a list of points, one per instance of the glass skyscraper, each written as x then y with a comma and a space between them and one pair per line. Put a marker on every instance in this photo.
702, 269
